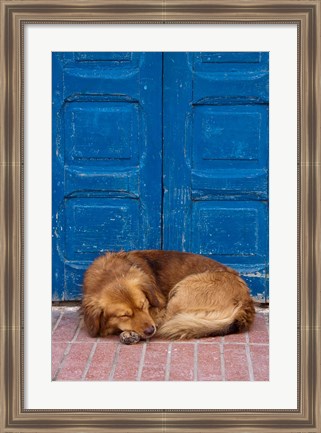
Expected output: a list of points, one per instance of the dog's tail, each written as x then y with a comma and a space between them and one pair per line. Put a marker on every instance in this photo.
205, 323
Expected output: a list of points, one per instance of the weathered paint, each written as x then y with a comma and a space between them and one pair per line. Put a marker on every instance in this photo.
107, 159
216, 159
155, 150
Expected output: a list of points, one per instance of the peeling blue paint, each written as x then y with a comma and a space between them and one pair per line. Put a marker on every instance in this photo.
216, 159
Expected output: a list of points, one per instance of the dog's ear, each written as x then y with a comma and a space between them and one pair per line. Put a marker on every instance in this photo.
93, 314
150, 292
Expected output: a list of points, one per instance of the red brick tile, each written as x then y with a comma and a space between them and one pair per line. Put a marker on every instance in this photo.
128, 362
83, 335
66, 329
236, 364
209, 362
102, 361
75, 362
114, 338
235, 338
54, 317
155, 361
182, 362
260, 362
120, 362
259, 331
57, 354
258, 337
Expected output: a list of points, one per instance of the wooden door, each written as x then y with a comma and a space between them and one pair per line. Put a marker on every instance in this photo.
107, 159
216, 159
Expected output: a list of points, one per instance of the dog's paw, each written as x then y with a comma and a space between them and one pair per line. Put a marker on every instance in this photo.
129, 337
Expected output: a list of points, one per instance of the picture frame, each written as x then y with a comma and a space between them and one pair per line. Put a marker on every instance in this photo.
305, 14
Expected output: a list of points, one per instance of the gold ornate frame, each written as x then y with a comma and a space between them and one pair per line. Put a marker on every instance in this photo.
14, 15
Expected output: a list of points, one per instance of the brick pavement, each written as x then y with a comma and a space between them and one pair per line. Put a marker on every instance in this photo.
78, 357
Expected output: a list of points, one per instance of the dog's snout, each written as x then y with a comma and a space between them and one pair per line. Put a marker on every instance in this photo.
149, 331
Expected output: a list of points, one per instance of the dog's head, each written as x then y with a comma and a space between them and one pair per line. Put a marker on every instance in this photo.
123, 304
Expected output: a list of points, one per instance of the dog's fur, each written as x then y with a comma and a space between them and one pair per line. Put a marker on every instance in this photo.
175, 295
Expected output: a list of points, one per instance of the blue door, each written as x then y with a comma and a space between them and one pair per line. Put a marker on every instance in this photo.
155, 150
107, 160
216, 159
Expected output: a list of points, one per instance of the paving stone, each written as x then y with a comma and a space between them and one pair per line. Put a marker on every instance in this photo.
236, 357
182, 361
75, 362
209, 362
155, 361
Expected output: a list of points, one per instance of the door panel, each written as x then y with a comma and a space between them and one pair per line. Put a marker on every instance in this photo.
229, 78
230, 135
107, 147
216, 159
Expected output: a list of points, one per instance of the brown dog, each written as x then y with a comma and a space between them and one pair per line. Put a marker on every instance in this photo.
178, 295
